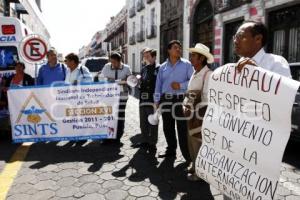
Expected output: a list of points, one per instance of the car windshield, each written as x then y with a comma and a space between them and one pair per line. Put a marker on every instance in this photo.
95, 65
8, 57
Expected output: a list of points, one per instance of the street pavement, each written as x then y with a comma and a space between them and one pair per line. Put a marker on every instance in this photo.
68, 170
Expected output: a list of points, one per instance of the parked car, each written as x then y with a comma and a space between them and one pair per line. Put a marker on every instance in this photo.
95, 65
295, 135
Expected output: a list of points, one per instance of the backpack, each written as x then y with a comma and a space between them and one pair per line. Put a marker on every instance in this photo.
64, 69
81, 72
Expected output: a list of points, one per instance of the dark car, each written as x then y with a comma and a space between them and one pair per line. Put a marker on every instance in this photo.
95, 65
295, 135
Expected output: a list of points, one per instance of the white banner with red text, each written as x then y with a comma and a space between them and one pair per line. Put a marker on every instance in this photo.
245, 130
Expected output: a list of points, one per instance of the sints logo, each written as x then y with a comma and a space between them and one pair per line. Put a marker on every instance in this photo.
34, 119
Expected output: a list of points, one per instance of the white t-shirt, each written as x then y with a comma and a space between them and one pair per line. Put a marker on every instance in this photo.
78, 76
272, 62
196, 82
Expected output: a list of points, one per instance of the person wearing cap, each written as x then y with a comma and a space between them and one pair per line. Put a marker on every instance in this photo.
171, 84
116, 71
147, 87
52, 71
195, 102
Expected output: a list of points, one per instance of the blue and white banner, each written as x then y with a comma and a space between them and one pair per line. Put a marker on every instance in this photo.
62, 112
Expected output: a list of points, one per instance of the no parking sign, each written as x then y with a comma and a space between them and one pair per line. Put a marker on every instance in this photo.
33, 49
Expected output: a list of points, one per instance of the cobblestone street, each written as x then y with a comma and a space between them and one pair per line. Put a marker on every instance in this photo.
67, 170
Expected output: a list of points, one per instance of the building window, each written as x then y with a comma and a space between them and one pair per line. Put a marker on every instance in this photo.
142, 23
202, 30
141, 33
140, 5
151, 30
133, 62
132, 37
229, 32
132, 9
284, 25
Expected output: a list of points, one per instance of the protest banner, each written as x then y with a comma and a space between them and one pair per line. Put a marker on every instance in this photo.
64, 112
245, 130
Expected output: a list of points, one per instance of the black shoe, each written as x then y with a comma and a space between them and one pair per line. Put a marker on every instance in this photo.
80, 142
117, 143
167, 154
152, 150
107, 142
140, 145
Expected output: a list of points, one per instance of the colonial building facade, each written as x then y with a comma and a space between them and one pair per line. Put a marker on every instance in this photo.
214, 22
116, 34
97, 47
143, 29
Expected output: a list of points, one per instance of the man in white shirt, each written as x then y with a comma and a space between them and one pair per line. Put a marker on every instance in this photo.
249, 41
117, 71
75, 73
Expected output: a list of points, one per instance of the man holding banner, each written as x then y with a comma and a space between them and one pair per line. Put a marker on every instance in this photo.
116, 71
256, 105
52, 71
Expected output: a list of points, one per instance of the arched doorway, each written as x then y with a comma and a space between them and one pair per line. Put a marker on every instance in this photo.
202, 23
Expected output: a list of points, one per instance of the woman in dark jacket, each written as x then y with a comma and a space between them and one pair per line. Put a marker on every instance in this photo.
20, 78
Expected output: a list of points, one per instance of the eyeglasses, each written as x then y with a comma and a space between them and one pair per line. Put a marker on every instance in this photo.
238, 36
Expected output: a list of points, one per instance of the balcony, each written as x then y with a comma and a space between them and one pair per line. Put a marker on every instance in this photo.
140, 5
225, 5
132, 40
140, 36
149, 1
152, 32
132, 12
